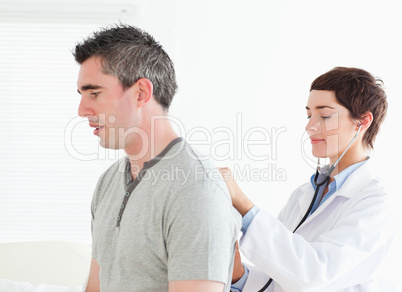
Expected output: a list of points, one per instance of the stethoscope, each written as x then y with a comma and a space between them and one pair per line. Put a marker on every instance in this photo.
318, 184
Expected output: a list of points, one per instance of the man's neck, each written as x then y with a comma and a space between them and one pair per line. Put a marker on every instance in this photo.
151, 144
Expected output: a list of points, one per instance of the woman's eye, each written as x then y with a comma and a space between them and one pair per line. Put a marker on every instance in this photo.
325, 117
308, 117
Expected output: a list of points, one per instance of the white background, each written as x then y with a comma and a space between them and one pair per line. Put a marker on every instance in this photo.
241, 66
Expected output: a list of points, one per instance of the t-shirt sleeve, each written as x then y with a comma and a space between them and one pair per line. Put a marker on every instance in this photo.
93, 210
94, 204
202, 228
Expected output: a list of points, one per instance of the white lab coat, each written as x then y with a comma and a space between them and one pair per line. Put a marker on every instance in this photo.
338, 248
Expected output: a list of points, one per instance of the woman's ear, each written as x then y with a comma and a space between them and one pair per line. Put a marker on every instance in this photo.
366, 120
145, 91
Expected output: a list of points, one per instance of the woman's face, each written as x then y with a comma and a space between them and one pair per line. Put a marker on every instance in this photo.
329, 126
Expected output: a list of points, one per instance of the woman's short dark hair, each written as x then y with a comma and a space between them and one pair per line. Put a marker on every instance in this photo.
359, 92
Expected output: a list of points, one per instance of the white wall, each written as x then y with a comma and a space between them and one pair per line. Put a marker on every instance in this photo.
242, 65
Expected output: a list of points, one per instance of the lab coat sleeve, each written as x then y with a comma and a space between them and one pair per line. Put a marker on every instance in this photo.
327, 262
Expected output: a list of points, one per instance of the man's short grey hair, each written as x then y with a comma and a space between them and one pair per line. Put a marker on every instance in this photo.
128, 53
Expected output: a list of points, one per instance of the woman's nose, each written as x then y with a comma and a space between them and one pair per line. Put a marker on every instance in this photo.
313, 126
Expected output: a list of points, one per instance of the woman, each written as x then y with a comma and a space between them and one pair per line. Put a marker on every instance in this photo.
335, 230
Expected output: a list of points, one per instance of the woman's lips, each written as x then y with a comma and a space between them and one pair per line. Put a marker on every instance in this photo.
316, 141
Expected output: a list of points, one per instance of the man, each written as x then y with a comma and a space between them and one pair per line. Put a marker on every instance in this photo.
160, 221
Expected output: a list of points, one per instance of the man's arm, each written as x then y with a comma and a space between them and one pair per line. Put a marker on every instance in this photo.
93, 284
195, 286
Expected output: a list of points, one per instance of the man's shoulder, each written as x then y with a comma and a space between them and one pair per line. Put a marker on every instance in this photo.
196, 164
187, 155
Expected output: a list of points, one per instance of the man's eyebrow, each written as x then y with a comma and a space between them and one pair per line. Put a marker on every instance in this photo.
88, 87
320, 107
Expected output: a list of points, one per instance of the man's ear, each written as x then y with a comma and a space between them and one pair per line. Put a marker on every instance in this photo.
145, 90
366, 120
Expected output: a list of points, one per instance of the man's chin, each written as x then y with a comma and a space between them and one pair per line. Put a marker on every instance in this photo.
108, 145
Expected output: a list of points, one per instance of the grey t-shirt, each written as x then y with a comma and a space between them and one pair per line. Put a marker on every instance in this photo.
175, 221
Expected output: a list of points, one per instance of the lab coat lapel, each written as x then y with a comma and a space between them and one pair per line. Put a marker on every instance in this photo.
358, 180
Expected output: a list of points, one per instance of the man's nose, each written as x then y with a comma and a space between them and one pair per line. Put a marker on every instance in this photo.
84, 108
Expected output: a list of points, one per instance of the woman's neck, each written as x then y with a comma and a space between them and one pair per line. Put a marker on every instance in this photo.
352, 156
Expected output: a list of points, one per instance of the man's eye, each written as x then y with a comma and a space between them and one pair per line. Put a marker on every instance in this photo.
95, 94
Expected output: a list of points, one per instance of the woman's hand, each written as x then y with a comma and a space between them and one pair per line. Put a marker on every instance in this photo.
239, 199
238, 269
